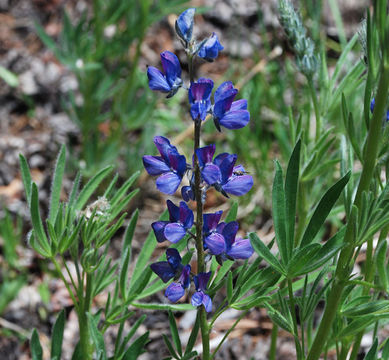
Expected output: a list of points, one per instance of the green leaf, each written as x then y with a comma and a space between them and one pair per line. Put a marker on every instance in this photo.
170, 347
137, 347
123, 272
291, 186
323, 209
172, 307
90, 187
96, 336
35, 346
380, 258
232, 213
262, 250
279, 214
9, 77
57, 184
301, 258
372, 354
37, 222
123, 189
174, 332
385, 350
193, 335
229, 287
359, 324
280, 320
369, 308
57, 336
26, 177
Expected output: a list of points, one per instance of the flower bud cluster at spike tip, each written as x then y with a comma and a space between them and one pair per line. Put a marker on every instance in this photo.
215, 238
372, 104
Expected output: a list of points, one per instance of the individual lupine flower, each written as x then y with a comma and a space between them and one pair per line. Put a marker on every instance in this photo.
184, 25
172, 268
200, 297
209, 171
212, 233
199, 98
372, 105
210, 49
171, 166
227, 112
170, 80
180, 220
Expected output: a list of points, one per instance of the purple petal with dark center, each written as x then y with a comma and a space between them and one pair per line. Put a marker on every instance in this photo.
173, 258
241, 249
211, 174
163, 145
222, 90
220, 158
163, 270
184, 24
200, 90
211, 220
199, 110
229, 233
185, 276
159, 227
186, 216
239, 105
201, 280
155, 165
174, 292
168, 183
207, 302
239, 185
197, 298
227, 167
174, 211
205, 154
174, 232
171, 66
157, 80
181, 165
215, 243
235, 119
224, 105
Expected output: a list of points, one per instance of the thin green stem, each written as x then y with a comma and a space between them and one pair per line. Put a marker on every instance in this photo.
315, 108
273, 343
292, 306
228, 333
343, 266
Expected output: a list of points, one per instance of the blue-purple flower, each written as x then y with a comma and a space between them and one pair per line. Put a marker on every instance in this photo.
210, 49
220, 239
180, 220
172, 268
170, 80
199, 98
222, 172
227, 112
184, 25
372, 104
187, 193
200, 297
171, 166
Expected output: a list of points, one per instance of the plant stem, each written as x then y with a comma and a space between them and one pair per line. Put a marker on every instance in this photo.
343, 267
273, 343
294, 318
85, 339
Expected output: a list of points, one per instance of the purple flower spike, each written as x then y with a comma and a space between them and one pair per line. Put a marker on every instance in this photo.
170, 81
227, 112
210, 49
209, 171
372, 105
180, 220
184, 25
171, 166
200, 297
176, 290
199, 98
169, 269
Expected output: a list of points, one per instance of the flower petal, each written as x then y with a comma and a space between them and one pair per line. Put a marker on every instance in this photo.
211, 174
197, 298
205, 154
201, 280
174, 292
155, 165
222, 90
163, 270
224, 104
164, 147
186, 216
157, 80
210, 49
215, 243
168, 183
229, 233
200, 90
235, 119
211, 220
239, 105
174, 211
241, 249
207, 302
171, 66
199, 110
174, 232
185, 276
239, 185
173, 258
187, 193
159, 228
227, 167
184, 24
